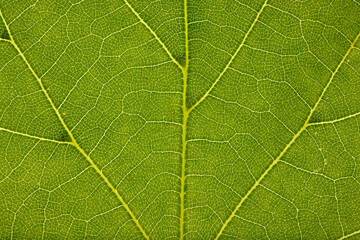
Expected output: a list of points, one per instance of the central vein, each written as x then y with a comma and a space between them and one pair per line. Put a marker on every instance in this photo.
185, 111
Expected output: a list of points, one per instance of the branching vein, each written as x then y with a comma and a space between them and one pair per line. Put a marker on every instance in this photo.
278, 158
186, 112
231, 59
350, 235
74, 142
154, 34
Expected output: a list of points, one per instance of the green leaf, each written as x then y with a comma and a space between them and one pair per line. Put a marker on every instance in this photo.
185, 119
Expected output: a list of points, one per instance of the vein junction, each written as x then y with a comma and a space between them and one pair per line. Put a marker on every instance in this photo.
186, 112
302, 129
73, 140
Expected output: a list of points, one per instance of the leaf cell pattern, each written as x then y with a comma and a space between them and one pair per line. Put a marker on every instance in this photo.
169, 119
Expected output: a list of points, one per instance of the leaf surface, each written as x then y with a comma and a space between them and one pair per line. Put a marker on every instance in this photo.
179, 119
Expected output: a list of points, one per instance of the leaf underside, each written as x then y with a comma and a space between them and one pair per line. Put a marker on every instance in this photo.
188, 119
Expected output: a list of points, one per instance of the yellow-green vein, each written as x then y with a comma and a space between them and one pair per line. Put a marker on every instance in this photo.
34, 137
231, 59
306, 124
350, 235
154, 34
92, 163
184, 124
335, 120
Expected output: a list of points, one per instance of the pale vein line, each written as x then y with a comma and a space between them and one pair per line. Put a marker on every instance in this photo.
231, 59
34, 137
306, 124
334, 121
350, 235
154, 34
5, 40
186, 112
106, 180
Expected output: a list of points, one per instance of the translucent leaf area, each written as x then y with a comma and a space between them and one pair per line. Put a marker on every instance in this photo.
180, 119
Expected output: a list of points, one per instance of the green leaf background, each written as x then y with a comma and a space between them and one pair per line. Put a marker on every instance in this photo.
169, 119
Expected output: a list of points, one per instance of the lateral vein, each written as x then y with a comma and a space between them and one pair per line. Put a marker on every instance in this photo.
5, 40
278, 158
92, 163
154, 34
35, 137
335, 120
231, 59
350, 235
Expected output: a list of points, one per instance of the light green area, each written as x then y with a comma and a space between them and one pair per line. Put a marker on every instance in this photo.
180, 119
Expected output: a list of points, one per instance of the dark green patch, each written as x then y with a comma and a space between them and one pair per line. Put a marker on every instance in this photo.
64, 136
4, 34
316, 117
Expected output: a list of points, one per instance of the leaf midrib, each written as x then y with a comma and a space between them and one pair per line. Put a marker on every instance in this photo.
186, 113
